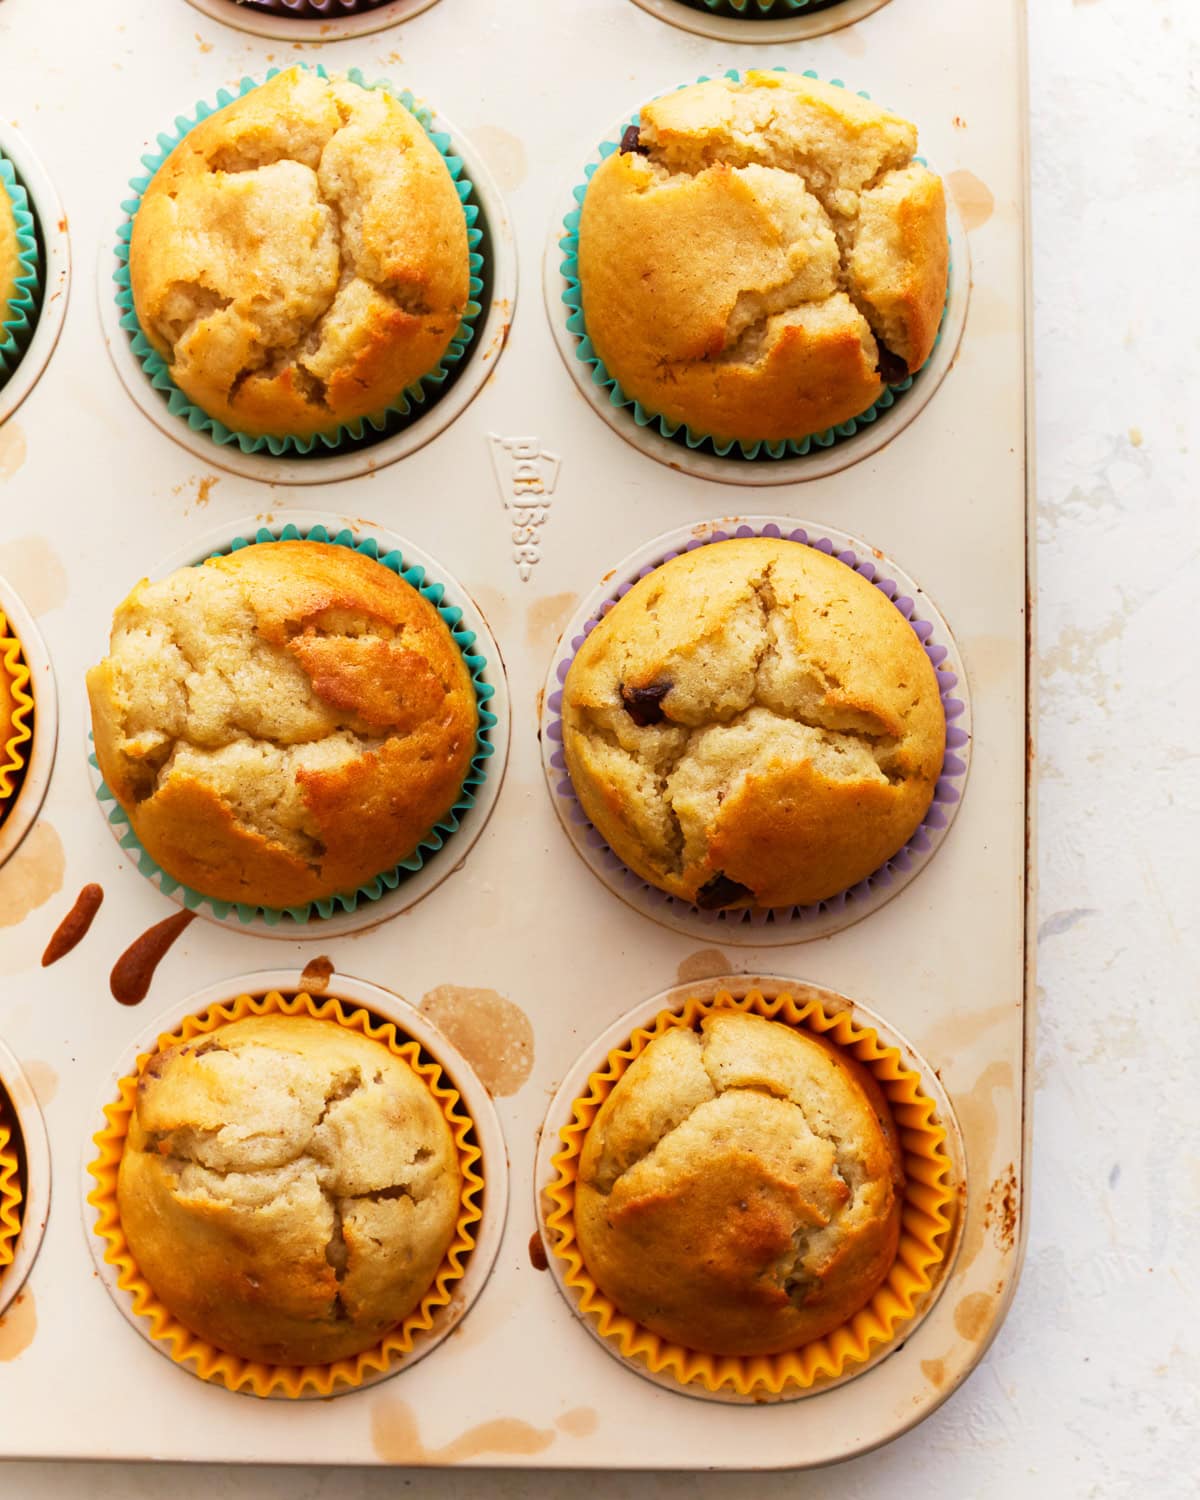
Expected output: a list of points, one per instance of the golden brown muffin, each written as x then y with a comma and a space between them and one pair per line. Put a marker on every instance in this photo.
288, 1187
300, 257
10, 256
282, 723
761, 258
753, 724
740, 1189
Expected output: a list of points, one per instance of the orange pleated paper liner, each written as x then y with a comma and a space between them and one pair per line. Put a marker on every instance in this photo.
230, 1370
10, 1188
927, 1216
16, 713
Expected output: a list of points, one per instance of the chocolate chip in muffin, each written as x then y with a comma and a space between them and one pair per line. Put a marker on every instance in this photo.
644, 704
632, 141
891, 368
720, 892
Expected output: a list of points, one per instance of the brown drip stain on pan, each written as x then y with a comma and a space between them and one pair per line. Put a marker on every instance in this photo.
73, 928
316, 974
18, 1326
133, 971
537, 1252
493, 1034
396, 1437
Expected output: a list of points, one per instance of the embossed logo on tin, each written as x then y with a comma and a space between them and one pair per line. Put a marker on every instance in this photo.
526, 474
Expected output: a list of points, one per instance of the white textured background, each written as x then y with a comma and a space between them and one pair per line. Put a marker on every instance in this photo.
1093, 1385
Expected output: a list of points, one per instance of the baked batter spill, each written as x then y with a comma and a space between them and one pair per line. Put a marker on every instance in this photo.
133, 971
73, 928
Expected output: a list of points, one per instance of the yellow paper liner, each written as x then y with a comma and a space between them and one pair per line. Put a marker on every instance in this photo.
926, 1221
16, 712
218, 1365
10, 1191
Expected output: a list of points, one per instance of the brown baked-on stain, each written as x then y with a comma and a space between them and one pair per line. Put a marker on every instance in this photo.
73, 928
316, 974
545, 618
934, 1370
133, 971
979, 1118
705, 963
396, 1437
32, 875
973, 1314
1000, 1209
492, 1033
12, 449
18, 1326
537, 1252
580, 1421
973, 197
43, 579
42, 1079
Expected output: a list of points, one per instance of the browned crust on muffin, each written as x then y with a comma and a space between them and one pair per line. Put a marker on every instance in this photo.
288, 1188
382, 676
766, 260
796, 736
740, 1189
301, 257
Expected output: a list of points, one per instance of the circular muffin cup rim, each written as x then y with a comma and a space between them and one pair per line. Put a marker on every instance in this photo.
37, 1186
419, 884
670, 911
593, 1058
384, 1005
51, 220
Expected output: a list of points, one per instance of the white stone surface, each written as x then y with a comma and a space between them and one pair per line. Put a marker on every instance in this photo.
1093, 1385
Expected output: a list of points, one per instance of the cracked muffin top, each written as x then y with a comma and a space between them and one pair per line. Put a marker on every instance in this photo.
753, 724
282, 723
288, 1187
301, 257
760, 258
740, 1189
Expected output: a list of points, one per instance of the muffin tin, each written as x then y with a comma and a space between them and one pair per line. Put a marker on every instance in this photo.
527, 498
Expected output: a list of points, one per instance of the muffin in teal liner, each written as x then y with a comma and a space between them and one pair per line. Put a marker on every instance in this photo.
302, 273
20, 270
363, 786
758, 265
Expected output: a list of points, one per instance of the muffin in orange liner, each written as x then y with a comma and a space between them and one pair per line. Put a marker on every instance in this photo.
16, 713
927, 1211
231, 1370
10, 1190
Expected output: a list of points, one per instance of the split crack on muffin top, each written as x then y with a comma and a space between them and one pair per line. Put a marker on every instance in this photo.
713, 672
301, 257
770, 229
236, 1165
695, 1095
742, 1178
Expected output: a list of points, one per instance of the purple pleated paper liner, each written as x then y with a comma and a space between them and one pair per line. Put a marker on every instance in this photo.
947, 792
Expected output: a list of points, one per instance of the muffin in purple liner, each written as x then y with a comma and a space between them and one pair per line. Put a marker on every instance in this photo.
817, 791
